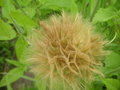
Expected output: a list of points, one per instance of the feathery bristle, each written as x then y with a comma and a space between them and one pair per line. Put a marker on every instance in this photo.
66, 50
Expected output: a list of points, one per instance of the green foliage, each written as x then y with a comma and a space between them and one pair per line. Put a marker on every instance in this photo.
19, 17
112, 62
22, 19
16, 63
105, 14
20, 47
12, 76
112, 84
6, 31
58, 5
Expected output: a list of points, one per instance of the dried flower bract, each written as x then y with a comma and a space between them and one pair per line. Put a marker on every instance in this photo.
66, 52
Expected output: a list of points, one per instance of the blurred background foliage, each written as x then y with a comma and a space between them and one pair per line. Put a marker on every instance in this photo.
19, 17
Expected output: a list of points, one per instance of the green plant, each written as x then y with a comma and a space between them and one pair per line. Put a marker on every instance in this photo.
19, 17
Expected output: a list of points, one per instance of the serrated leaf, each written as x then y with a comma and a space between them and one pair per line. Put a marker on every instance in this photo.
112, 84
6, 31
12, 76
104, 14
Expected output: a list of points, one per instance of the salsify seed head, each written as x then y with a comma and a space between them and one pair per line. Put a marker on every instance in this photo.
66, 51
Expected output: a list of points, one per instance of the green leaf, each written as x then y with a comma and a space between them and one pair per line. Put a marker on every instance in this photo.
7, 7
22, 19
12, 76
23, 2
92, 5
30, 11
112, 61
6, 31
104, 14
20, 48
112, 64
16, 63
60, 4
112, 84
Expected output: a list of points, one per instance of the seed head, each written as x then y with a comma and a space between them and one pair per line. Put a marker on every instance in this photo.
66, 52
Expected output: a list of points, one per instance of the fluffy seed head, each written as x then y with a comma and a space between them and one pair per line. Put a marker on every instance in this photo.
66, 51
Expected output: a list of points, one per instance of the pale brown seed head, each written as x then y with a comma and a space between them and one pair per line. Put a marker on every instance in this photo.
66, 50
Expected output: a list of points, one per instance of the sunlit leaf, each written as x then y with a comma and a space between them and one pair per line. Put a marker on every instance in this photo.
7, 7
6, 31
112, 61
104, 14
20, 48
112, 64
12, 76
22, 19
112, 84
